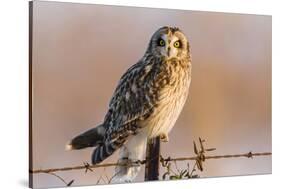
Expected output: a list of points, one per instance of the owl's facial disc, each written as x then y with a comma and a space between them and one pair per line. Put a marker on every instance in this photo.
169, 46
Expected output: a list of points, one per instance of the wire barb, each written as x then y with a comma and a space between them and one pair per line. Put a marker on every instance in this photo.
87, 167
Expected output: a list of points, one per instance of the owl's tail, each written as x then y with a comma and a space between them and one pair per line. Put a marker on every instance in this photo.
131, 152
90, 138
132, 149
95, 138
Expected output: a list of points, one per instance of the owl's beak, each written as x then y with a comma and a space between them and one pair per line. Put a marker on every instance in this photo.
168, 51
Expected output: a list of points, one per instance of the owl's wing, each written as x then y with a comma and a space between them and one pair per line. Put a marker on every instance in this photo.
134, 99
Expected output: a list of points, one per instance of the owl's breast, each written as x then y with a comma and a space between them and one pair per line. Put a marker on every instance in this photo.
171, 99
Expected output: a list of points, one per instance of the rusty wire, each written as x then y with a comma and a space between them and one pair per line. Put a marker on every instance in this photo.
199, 158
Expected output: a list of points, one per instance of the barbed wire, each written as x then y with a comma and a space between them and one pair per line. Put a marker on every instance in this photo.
87, 166
199, 158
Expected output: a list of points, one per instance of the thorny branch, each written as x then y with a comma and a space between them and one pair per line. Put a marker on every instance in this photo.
199, 158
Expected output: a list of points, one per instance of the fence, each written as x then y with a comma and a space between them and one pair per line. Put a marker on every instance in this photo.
154, 160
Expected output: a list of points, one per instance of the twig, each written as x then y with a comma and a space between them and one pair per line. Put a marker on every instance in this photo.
66, 183
58, 177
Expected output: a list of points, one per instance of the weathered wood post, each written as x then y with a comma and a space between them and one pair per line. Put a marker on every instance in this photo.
152, 159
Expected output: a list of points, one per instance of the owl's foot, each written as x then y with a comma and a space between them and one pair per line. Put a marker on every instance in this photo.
164, 137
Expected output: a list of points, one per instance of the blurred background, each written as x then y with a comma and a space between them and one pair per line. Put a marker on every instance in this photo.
80, 51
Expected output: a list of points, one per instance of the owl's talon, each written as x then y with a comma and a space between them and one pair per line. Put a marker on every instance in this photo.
164, 138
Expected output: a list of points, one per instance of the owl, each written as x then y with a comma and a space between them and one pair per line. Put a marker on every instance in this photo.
146, 103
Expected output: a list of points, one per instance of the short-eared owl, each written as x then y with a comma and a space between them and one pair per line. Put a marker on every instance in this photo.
146, 103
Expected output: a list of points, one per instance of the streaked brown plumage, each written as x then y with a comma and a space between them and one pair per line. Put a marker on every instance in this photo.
146, 103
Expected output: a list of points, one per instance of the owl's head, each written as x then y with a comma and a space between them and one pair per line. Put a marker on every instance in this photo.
169, 42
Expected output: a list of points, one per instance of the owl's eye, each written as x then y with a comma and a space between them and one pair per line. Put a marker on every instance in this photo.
177, 44
161, 43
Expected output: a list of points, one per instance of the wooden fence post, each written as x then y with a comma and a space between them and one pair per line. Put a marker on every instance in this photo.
152, 159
